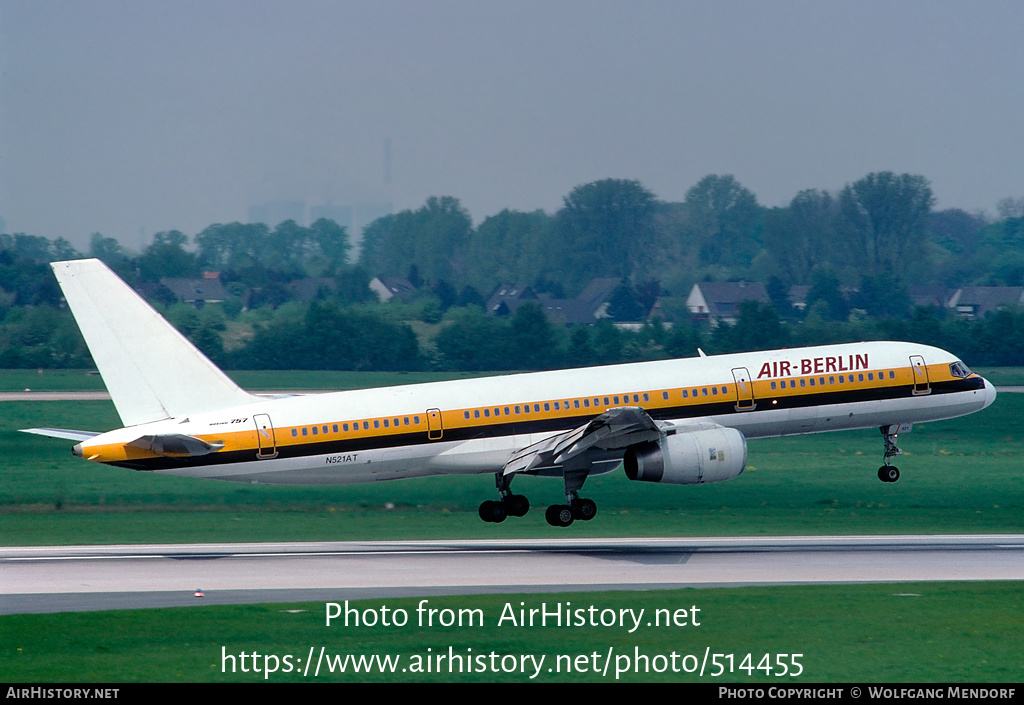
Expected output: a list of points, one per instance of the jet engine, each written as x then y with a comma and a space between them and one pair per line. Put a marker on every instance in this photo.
688, 457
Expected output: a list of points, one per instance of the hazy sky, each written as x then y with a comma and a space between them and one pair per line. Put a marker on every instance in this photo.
132, 116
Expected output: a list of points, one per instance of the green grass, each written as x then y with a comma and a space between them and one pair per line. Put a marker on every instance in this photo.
923, 632
961, 475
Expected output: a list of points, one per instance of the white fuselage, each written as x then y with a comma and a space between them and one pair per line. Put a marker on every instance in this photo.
474, 426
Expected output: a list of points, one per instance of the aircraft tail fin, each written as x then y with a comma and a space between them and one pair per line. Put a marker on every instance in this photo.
150, 369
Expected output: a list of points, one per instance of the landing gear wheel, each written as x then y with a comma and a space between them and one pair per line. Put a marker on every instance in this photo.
584, 509
559, 515
888, 473
516, 505
493, 512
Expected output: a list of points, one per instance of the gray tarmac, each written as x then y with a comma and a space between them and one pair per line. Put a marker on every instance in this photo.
80, 578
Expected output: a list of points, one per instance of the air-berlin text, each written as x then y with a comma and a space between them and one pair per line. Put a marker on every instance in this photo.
813, 366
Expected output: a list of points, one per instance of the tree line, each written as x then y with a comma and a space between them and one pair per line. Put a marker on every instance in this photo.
878, 235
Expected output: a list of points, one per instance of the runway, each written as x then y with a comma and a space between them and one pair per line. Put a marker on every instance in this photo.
81, 578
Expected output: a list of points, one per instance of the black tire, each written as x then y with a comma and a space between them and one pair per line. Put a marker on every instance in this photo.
584, 509
516, 505
493, 512
888, 473
559, 515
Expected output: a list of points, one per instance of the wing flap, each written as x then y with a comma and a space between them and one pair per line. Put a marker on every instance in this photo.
615, 429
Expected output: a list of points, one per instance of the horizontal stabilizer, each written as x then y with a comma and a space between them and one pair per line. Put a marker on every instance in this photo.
65, 433
150, 369
175, 445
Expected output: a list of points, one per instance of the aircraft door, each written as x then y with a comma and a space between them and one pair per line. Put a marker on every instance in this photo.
921, 384
744, 389
265, 437
434, 428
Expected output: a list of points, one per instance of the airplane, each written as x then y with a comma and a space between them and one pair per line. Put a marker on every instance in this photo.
679, 422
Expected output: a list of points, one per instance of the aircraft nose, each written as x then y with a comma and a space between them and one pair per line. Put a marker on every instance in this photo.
990, 393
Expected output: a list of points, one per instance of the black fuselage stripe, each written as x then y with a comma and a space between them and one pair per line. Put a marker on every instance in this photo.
525, 426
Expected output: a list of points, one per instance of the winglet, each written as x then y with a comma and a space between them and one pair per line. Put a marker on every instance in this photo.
150, 369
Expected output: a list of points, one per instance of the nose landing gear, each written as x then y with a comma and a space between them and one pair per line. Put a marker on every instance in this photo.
889, 473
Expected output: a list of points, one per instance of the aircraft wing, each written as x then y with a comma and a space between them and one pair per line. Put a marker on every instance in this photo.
615, 429
64, 433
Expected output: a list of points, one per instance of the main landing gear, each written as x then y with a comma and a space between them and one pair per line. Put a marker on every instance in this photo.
516, 505
510, 505
578, 508
889, 473
575, 507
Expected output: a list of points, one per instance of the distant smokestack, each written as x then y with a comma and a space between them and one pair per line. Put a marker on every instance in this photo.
387, 161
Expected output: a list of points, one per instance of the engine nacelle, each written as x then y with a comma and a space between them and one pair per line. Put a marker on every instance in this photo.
689, 457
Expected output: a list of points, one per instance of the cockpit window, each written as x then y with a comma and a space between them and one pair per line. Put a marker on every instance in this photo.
959, 369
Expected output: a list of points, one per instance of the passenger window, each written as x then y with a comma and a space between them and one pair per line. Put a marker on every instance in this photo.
694, 392
636, 398
664, 395
506, 411
406, 420
476, 413
773, 385
792, 384
376, 423
315, 430
831, 380
547, 406
812, 381
892, 375
646, 397
334, 428
685, 394
416, 420
517, 410
714, 391
860, 377
305, 431
385, 423
871, 377
615, 399
344, 427
803, 382
704, 391
487, 413
576, 403
295, 432
725, 390
497, 411
586, 403
466, 414
556, 406
536, 407
606, 401
366, 425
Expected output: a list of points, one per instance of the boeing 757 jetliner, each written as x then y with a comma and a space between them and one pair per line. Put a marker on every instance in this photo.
676, 422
